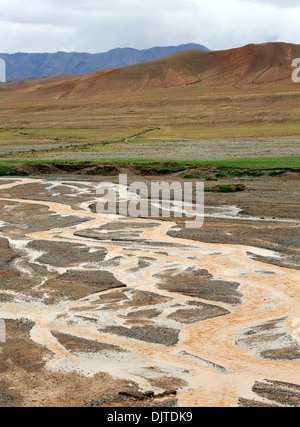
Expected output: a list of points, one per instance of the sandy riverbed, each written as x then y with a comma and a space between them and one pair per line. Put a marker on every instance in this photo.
144, 311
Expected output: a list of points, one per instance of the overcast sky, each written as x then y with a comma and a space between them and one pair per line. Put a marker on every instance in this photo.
100, 25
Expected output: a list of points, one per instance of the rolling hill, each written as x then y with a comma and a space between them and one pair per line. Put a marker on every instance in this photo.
27, 65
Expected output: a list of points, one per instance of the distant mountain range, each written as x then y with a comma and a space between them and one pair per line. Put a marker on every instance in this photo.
27, 65
252, 65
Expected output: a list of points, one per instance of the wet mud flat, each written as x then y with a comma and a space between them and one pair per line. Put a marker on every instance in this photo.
102, 310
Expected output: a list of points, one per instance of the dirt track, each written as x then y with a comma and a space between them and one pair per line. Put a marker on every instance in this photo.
220, 149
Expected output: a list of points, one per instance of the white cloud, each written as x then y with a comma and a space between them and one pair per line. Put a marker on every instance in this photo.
97, 25
277, 3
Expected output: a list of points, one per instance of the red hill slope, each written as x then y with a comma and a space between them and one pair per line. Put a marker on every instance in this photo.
265, 64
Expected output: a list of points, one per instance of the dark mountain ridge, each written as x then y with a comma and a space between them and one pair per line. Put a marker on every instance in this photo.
28, 65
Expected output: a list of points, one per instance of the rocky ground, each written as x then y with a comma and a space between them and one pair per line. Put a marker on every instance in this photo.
187, 149
103, 311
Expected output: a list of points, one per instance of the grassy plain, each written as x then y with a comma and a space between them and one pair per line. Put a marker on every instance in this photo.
88, 128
